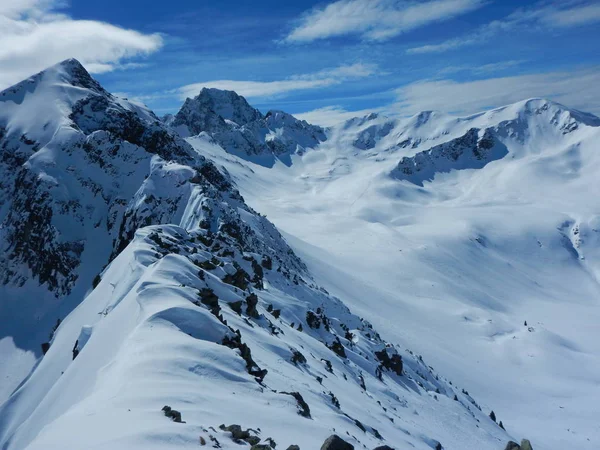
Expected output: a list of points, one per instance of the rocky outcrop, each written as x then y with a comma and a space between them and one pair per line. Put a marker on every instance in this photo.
242, 130
334, 442
525, 445
475, 149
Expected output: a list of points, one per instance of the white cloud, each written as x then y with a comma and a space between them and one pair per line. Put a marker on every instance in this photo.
332, 115
562, 14
576, 16
35, 36
482, 69
576, 89
328, 77
376, 20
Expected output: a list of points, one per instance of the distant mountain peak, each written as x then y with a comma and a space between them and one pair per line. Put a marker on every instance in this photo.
243, 130
556, 112
228, 104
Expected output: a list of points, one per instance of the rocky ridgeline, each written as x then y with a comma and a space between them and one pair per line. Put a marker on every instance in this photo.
88, 178
232, 123
473, 150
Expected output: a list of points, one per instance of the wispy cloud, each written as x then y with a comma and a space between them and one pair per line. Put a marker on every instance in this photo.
554, 15
36, 35
375, 20
332, 115
323, 78
575, 88
562, 14
483, 69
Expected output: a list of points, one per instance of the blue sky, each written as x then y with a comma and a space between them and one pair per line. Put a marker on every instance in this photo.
323, 61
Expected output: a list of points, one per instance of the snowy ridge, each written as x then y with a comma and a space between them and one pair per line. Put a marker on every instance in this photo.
470, 151
164, 326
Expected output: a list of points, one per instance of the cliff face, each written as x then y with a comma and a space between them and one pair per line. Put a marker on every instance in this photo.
233, 124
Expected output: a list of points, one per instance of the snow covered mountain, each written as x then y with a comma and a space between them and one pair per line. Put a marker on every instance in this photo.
472, 241
170, 290
228, 119
479, 239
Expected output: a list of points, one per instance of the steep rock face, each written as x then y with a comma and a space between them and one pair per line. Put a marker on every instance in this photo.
242, 130
473, 150
80, 171
212, 109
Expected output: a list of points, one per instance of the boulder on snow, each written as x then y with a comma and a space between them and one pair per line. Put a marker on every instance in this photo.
293, 447
334, 442
238, 434
526, 445
383, 447
173, 414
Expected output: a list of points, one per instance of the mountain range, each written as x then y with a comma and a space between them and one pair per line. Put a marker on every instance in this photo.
425, 282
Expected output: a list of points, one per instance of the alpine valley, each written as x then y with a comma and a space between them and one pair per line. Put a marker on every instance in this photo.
429, 282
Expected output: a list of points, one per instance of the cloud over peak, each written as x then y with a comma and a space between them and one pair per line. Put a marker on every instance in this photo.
323, 78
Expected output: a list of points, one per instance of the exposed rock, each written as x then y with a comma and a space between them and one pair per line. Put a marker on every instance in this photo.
240, 129
526, 445
298, 358
512, 446
338, 348
393, 363
469, 151
173, 414
75, 349
251, 302
209, 298
334, 442
254, 440
239, 279
303, 408
236, 306
252, 368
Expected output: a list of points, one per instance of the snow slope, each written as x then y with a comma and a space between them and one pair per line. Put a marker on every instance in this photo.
173, 291
449, 234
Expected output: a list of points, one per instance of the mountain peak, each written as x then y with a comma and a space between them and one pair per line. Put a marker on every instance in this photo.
536, 106
228, 104
72, 72
68, 72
